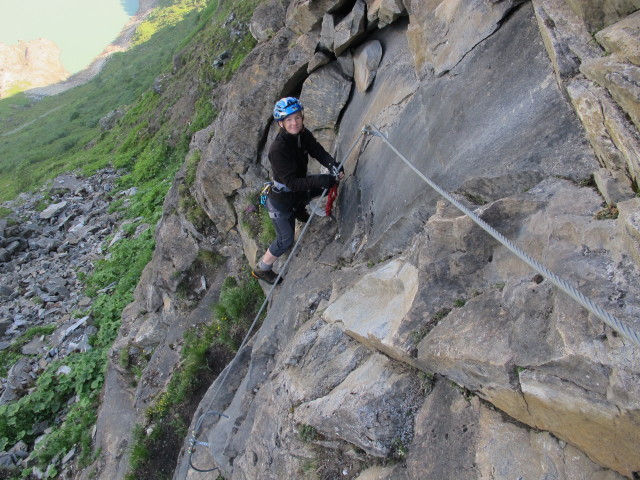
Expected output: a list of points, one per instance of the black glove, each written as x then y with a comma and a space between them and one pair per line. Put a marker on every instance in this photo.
325, 181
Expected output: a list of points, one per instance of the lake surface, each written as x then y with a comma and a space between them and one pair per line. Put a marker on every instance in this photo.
80, 28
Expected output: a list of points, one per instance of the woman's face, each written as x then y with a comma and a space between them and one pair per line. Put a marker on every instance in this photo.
293, 123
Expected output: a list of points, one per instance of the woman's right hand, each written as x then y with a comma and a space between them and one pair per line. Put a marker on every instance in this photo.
326, 181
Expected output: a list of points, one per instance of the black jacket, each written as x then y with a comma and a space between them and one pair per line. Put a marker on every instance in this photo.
289, 156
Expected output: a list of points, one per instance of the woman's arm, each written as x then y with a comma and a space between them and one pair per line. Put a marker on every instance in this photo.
285, 171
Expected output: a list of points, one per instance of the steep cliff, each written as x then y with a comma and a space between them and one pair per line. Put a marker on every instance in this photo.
405, 342
29, 64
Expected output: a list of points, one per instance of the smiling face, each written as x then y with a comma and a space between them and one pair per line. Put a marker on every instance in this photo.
293, 123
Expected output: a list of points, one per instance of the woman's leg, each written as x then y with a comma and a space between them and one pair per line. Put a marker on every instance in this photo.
284, 224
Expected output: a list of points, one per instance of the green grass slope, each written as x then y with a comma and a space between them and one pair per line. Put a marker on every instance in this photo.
178, 43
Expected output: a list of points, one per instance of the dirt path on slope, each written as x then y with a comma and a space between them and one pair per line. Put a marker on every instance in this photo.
16, 130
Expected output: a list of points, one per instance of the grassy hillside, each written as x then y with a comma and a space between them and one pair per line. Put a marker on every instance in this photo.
39, 140
178, 43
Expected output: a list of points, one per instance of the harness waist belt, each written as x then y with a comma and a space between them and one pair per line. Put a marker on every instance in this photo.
281, 187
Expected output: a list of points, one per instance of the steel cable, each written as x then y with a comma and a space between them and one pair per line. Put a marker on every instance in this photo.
569, 289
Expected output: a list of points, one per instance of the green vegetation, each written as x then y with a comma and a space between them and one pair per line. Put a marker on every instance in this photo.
310, 469
9, 356
399, 450
608, 212
474, 199
423, 331
62, 133
427, 381
148, 144
236, 309
205, 352
307, 433
254, 218
459, 303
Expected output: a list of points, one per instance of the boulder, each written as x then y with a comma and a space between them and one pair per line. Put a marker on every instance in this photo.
53, 210
305, 15
19, 379
346, 64
372, 310
64, 184
5, 292
108, 121
384, 12
319, 59
614, 185
362, 413
623, 38
350, 28
621, 79
160, 82
4, 325
366, 59
324, 94
327, 33
613, 137
599, 14
267, 19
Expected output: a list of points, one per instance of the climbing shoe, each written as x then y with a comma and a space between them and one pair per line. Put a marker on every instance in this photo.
268, 276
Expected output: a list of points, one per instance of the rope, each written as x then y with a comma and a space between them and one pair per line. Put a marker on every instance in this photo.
331, 197
193, 442
595, 309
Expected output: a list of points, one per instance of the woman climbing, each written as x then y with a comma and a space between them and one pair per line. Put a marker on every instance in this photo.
292, 188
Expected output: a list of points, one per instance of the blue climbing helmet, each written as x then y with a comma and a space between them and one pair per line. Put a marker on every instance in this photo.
285, 107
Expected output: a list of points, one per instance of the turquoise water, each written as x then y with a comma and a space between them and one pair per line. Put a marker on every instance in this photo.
80, 28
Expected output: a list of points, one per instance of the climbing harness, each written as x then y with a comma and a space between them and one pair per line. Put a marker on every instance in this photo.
598, 311
193, 442
264, 193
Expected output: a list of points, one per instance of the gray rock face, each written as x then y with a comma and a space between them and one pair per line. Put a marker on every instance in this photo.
362, 416
488, 148
600, 14
321, 116
623, 38
399, 292
441, 33
366, 59
304, 15
267, 19
619, 78
350, 28
384, 12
